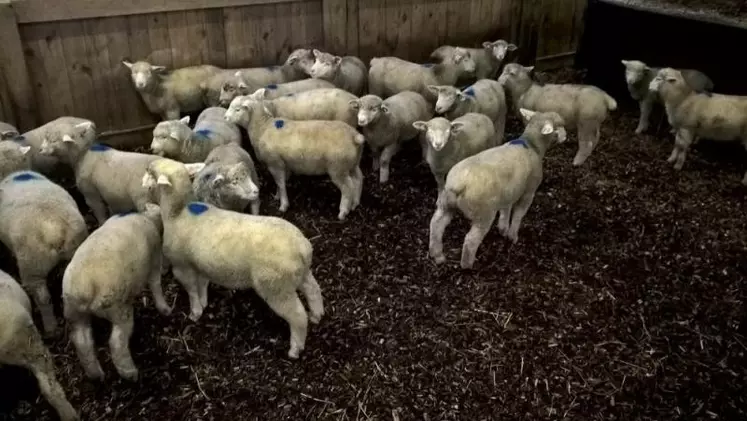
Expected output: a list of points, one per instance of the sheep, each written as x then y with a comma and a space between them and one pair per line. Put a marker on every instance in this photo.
170, 93
452, 141
639, 76
13, 157
310, 147
693, 114
488, 59
174, 139
503, 178
22, 345
235, 250
48, 165
42, 226
273, 91
583, 106
8, 131
484, 96
348, 73
229, 179
316, 104
386, 124
390, 75
106, 273
302, 59
106, 177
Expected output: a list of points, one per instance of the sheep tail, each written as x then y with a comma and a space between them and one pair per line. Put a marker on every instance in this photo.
359, 139
448, 197
611, 103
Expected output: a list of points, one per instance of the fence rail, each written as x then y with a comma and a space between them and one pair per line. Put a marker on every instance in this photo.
64, 57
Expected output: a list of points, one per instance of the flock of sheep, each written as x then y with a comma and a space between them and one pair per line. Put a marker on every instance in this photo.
183, 206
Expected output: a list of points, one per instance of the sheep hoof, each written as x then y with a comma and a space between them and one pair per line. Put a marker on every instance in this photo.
467, 265
283, 208
342, 215
293, 353
315, 318
165, 311
438, 258
195, 315
96, 375
678, 166
130, 375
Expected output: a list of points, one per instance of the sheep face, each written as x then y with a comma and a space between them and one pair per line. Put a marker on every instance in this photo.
238, 112
144, 75
667, 81
163, 172
464, 60
325, 65
447, 97
230, 90
14, 156
499, 48
515, 74
168, 136
438, 131
232, 188
369, 108
301, 59
61, 140
550, 125
635, 71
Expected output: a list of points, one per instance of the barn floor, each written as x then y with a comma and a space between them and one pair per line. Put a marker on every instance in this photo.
624, 299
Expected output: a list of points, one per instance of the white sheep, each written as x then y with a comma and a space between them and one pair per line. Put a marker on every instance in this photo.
174, 139
638, 76
585, 107
390, 75
485, 96
106, 177
348, 73
387, 124
452, 141
41, 225
501, 179
691, 114
8, 131
106, 273
229, 180
316, 104
170, 93
273, 91
302, 59
308, 147
235, 250
14, 156
488, 59
49, 165
22, 345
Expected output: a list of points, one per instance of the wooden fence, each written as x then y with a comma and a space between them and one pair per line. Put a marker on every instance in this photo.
63, 57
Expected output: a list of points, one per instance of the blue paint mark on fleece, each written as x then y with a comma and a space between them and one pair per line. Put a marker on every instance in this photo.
279, 124
26, 176
129, 212
20, 138
99, 147
470, 92
197, 208
204, 133
427, 65
271, 86
519, 141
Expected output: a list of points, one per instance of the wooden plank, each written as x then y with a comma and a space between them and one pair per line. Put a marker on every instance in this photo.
160, 42
140, 48
480, 21
98, 57
397, 20
314, 23
125, 96
58, 82
237, 48
458, 32
372, 37
250, 27
79, 69
265, 41
283, 43
6, 106
29, 11
501, 16
182, 52
215, 37
35, 45
20, 92
197, 37
335, 21
578, 28
351, 40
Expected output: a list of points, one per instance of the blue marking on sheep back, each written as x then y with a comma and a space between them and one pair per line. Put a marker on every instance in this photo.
204, 133
470, 92
271, 86
519, 141
197, 208
279, 124
427, 65
129, 212
20, 138
99, 147
26, 176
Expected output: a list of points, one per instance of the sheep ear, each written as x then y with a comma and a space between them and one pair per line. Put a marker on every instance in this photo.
354, 104
384, 108
527, 114
338, 59
420, 125
457, 126
174, 135
147, 180
217, 179
625, 63
185, 120
246, 103
268, 109
127, 63
529, 69
433, 88
511, 47
163, 180
84, 125
316, 53
24, 149
67, 138
194, 168
158, 68
547, 128
487, 44
260, 93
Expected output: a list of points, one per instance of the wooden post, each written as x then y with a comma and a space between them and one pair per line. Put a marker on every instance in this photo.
13, 66
335, 18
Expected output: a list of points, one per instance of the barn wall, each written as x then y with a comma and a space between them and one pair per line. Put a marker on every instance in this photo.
64, 57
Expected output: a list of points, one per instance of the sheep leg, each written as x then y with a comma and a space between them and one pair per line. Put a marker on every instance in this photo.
203, 284
188, 278
171, 114
156, 289
518, 211
38, 286
440, 220
645, 105
588, 136
503, 220
357, 175
682, 143
440, 181
386, 158
375, 159
82, 338
313, 294
280, 176
122, 319
347, 192
474, 237
290, 308
500, 128
255, 207
95, 202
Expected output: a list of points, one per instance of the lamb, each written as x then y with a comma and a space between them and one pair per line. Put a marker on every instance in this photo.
235, 250
452, 141
13, 157
229, 179
583, 106
693, 114
170, 93
484, 96
311, 147
503, 178
48, 165
348, 73
387, 124
106, 273
22, 345
273, 91
390, 75
639, 76
316, 104
174, 139
302, 59
246, 81
488, 59
8, 131
41, 225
